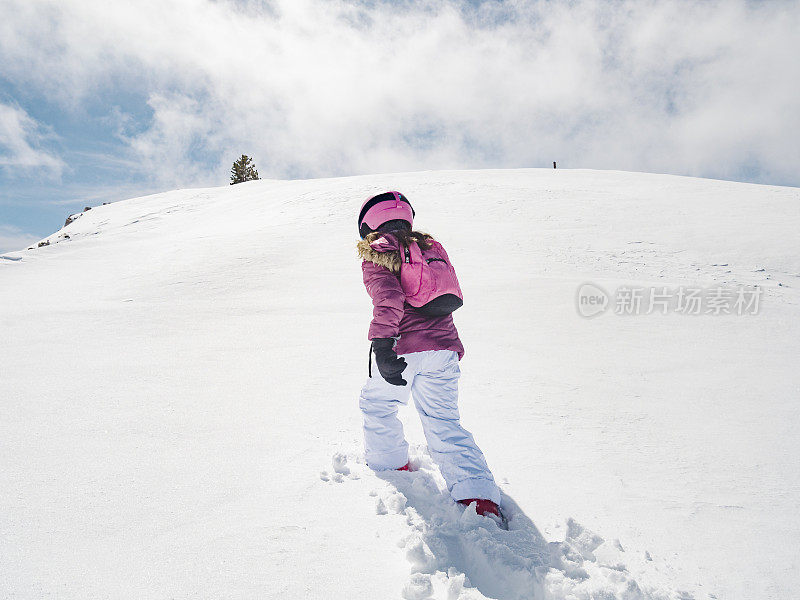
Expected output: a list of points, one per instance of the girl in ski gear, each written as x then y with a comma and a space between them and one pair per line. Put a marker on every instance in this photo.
416, 346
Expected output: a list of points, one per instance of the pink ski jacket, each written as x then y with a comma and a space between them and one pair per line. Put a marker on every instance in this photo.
392, 316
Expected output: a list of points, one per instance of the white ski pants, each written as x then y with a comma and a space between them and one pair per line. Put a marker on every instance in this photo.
432, 378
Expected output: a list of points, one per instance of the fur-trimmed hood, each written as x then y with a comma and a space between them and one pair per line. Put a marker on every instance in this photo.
383, 249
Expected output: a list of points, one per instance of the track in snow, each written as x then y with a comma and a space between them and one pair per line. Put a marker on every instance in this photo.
454, 554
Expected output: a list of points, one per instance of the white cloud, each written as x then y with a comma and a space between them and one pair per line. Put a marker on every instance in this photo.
12, 238
20, 139
322, 87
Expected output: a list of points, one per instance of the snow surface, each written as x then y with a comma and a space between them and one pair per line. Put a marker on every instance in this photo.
179, 383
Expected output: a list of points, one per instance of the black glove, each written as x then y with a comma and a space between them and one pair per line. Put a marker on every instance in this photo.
389, 364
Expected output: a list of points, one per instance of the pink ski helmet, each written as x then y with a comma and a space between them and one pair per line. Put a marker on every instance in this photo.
377, 210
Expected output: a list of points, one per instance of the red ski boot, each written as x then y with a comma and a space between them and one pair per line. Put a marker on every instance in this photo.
482, 506
405, 467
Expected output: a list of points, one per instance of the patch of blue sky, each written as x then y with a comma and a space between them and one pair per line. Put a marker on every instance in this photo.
87, 137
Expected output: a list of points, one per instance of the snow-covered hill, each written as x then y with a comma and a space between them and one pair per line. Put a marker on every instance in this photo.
179, 382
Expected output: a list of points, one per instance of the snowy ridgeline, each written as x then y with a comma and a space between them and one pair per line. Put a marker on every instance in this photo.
178, 370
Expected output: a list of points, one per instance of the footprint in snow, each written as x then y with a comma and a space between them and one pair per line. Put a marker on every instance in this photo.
340, 470
457, 555
340, 464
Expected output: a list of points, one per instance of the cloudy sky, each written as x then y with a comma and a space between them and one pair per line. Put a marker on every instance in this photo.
106, 99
